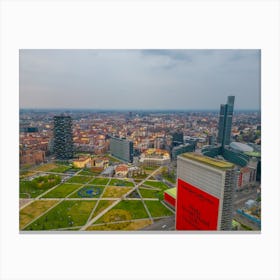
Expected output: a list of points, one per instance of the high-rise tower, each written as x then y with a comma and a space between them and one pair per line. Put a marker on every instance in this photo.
63, 137
225, 122
205, 188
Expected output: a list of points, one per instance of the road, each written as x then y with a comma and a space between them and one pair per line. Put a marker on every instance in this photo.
242, 196
165, 224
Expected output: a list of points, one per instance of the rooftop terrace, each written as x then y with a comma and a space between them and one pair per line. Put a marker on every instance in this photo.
220, 164
172, 192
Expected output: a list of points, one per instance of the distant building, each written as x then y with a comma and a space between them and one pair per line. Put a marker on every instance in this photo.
63, 137
225, 122
182, 149
246, 176
205, 189
30, 156
177, 139
122, 149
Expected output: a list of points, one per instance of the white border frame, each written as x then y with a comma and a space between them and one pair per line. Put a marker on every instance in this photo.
157, 24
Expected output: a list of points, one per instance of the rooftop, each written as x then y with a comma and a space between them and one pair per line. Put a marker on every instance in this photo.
172, 192
220, 164
241, 147
253, 154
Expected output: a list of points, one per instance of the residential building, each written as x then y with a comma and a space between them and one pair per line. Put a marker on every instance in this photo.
63, 138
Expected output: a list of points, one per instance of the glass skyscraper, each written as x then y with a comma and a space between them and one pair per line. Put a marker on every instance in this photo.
225, 122
63, 137
122, 149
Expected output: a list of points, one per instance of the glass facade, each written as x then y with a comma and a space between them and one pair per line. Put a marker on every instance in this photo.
122, 149
225, 122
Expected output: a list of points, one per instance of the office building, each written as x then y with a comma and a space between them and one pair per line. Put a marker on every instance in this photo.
121, 149
205, 189
225, 122
177, 139
63, 137
178, 150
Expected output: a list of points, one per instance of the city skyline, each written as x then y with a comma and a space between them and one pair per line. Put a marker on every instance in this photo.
138, 79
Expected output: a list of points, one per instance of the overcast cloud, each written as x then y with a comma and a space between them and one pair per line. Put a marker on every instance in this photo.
139, 79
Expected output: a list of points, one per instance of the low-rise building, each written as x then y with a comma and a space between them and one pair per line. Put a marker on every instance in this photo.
121, 170
154, 157
82, 162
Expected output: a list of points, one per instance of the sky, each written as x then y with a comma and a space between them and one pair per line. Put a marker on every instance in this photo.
145, 79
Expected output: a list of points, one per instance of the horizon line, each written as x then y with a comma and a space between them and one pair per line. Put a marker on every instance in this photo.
130, 109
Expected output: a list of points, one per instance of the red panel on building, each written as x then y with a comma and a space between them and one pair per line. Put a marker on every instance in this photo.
195, 209
168, 198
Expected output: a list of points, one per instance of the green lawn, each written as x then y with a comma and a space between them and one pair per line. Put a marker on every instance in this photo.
157, 209
102, 205
33, 210
60, 169
65, 214
156, 184
100, 181
125, 210
170, 178
118, 182
89, 172
38, 185
149, 193
151, 168
159, 185
79, 179
62, 191
88, 192
114, 191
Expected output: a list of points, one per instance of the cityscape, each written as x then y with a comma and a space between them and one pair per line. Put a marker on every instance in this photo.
164, 166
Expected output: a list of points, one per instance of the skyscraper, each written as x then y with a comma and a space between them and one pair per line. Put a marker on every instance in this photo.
177, 139
225, 122
205, 189
63, 138
122, 149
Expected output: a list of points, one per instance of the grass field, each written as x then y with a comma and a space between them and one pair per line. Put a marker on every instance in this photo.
60, 169
26, 173
46, 167
79, 179
100, 181
33, 210
123, 211
118, 182
122, 226
102, 205
112, 191
156, 184
89, 172
88, 192
157, 209
62, 191
31, 189
159, 185
149, 193
65, 214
